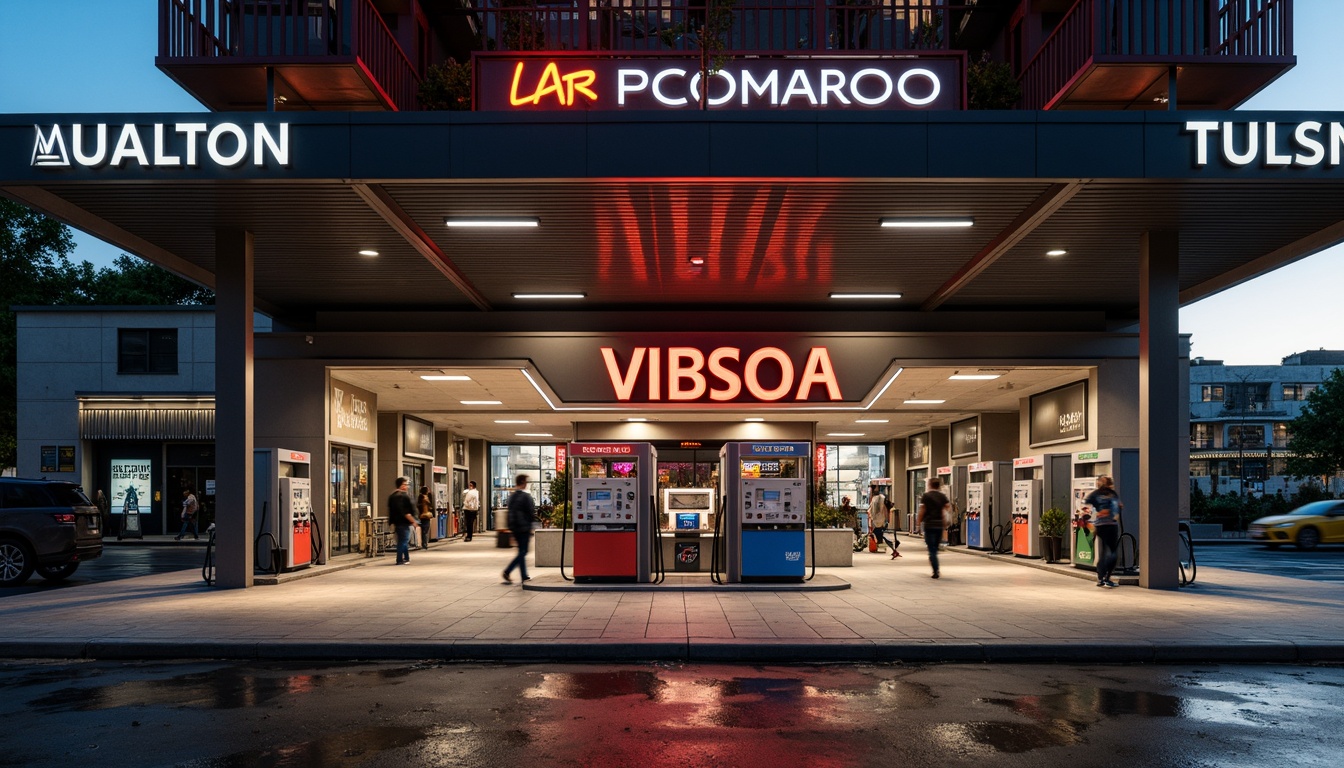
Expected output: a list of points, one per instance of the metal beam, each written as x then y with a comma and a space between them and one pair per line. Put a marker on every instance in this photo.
1031, 217
1295, 251
382, 203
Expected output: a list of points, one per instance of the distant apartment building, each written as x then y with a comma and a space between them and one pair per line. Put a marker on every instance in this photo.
1240, 419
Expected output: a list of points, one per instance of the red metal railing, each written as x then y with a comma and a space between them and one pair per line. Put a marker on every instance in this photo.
749, 25
274, 32
1175, 31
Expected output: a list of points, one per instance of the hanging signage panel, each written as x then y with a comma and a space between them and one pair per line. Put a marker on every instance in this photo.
547, 83
1059, 415
965, 438
352, 413
418, 438
917, 450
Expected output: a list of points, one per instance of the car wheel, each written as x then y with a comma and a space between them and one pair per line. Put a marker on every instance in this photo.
1308, 538
57, 572
16, 563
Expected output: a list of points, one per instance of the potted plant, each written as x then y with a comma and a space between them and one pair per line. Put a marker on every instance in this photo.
1054, 521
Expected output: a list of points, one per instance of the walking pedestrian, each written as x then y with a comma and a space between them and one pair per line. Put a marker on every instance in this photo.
522, 510
471, 504
1106, 506
189, 509
426, 506
100, 500
401, 514
879, 514
933, 505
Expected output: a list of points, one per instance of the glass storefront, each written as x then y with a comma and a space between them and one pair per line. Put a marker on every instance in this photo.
350, 469
849, 469
509, 461
686, 469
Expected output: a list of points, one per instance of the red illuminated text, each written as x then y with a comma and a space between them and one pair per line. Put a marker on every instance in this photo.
721, 375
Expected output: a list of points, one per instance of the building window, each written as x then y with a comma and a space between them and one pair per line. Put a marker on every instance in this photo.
1281, 435
1246, 436
1201, 436
147, 350
1211, 393
850, 468
509, 461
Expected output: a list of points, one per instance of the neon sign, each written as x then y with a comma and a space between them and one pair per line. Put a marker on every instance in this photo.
513, 83
688, 374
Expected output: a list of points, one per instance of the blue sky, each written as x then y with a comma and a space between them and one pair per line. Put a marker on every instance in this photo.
98, 56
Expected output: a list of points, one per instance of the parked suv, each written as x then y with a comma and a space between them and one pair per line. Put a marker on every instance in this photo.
45, 526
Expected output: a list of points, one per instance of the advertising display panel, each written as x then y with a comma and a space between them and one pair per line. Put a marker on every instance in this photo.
1059, 415
965, 438
132, 485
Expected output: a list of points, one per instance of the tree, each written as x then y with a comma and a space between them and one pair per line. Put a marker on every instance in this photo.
1316, 445
35, 270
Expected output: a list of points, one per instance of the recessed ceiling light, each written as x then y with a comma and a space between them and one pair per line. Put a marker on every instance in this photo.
974, 376
532, 434
927, 222
846, 434
754, 418
481, 402
445, 377
636, 418
871, 421
550, 295
924, 402
1056, 252
865, 295
512, 421
493, 222
698, 261
368, 252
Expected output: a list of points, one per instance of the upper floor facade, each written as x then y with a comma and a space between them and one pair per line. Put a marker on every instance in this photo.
1051, 54
1236, 407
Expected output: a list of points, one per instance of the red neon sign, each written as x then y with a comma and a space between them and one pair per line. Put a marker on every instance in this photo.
721, 375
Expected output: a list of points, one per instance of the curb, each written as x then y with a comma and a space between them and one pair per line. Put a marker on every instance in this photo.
1083, 651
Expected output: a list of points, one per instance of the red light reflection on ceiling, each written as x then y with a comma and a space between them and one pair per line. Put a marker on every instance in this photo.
751, 236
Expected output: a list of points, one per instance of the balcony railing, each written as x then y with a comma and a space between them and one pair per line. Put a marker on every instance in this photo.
1174, 31
760, 26
278, 32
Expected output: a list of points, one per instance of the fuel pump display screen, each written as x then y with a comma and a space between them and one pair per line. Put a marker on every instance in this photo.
769, 495
770, 502
603, 495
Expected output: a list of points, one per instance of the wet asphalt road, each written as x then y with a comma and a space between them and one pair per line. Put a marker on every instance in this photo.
120, 562
218, 715
1325, 563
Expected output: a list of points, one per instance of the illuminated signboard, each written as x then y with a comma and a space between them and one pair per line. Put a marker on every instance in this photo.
548, 83
722, 375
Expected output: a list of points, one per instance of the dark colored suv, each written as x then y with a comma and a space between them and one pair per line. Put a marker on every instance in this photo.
45, 526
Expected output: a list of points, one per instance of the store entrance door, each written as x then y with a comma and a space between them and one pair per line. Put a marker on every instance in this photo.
415, 473
190, 467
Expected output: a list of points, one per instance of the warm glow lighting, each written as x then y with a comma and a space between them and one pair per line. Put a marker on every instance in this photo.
532, 434
754, 418
1056, 252
974, 376
846, 434
438, 377
550, 295
871, 421
482, 402
865, 295
637, 418
368, 252
924, 402
928, 222
512, 421
493, 223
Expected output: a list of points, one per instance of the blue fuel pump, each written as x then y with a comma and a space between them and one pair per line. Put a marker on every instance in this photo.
764, 488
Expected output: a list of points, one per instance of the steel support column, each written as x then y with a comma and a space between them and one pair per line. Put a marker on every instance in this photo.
233, 407
1159, 409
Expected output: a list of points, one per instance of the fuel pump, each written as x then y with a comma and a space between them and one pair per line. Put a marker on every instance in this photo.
288, 534
1122, 466
296, 517
765, 491
1037, 481
611, 490
986, 504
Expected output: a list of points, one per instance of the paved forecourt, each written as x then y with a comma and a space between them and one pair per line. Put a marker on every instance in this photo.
449, 604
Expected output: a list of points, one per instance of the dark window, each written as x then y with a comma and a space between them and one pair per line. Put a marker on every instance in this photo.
23, 495
1249, 436
147, 350
68, 496
1211, 393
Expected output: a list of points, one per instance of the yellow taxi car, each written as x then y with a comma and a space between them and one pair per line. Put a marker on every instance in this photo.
1320, 522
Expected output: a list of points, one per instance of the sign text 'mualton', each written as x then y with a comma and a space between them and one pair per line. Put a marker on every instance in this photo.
179, 145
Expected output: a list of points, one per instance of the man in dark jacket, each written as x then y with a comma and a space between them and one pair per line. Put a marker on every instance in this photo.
932, 506
522, 511
401, 514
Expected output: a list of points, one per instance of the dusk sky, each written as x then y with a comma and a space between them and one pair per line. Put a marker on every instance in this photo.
98, 56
